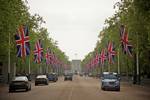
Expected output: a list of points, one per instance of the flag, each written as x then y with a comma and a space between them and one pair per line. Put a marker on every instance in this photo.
48, 56
22, 41
127, 48
53, 59
96, 59
38, 52
103, 56
111, 52
93, 62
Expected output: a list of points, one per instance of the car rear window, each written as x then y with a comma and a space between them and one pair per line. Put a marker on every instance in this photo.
21, 78
41, 76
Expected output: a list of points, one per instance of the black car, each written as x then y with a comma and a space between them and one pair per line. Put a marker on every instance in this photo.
52, 77
41, 79
19, 82
68, 76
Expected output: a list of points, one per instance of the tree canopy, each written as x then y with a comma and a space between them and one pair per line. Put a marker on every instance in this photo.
135, 15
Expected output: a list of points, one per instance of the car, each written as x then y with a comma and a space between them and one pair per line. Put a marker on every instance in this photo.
110, 81
41, 79
68, 76
90, 74
52, 77
19, 82
81, 74
98, 75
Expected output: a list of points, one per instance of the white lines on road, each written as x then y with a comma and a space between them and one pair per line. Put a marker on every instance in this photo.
70, 95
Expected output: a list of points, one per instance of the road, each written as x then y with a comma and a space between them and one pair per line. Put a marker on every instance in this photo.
81, 88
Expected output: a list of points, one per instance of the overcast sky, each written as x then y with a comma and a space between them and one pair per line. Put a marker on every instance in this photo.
75, 24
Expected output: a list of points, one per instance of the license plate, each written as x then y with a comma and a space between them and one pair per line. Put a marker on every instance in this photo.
111, 83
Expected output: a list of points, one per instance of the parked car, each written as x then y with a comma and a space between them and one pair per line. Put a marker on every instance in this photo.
41, 79
68, 76
52, 77
19, 82
110, 81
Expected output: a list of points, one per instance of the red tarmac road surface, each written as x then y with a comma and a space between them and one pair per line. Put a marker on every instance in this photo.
81, 88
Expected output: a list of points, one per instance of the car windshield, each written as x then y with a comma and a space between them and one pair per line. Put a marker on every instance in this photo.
110, 76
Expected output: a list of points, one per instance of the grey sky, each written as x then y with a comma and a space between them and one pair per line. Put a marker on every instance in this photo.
75, 24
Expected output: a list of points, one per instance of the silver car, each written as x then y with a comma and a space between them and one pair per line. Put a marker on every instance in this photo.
41, 79
19, 82
110, 81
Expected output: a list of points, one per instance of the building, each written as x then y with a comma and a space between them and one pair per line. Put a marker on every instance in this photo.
76, 66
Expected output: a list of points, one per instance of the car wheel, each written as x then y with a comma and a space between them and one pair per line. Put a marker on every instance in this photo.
46, 83
11, 90
30, 88
27, 89
103, 88
118, 89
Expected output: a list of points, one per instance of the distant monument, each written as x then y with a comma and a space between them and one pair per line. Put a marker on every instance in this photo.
76, 66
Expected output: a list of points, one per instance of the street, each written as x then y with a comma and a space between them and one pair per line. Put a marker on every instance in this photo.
81, 88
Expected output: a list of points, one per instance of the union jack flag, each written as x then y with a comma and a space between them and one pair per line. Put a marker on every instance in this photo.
48, 56
38, 52
111, 52
52, 58
127, 48
93, 62
103, 56
96, 58
22, 41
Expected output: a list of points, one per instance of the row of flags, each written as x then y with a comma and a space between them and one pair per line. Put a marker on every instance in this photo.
105, 54
109, 53
23, 48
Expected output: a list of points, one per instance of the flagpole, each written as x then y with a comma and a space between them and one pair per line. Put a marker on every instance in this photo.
109, 66
14, 70
137, 61
118, 62
29, 66
9, 58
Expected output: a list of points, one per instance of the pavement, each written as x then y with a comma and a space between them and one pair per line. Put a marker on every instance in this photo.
81, 88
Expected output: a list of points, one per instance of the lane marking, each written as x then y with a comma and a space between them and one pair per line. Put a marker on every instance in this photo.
71, 92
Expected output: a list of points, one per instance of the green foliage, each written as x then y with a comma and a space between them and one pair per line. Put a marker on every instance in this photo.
135, 15
14, 13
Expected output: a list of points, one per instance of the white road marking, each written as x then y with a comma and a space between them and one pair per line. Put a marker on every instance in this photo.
71, 92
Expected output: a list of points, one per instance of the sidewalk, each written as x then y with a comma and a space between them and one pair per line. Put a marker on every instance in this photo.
145, 83
3, 86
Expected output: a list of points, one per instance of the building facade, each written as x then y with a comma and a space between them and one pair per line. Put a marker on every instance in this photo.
76, 66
